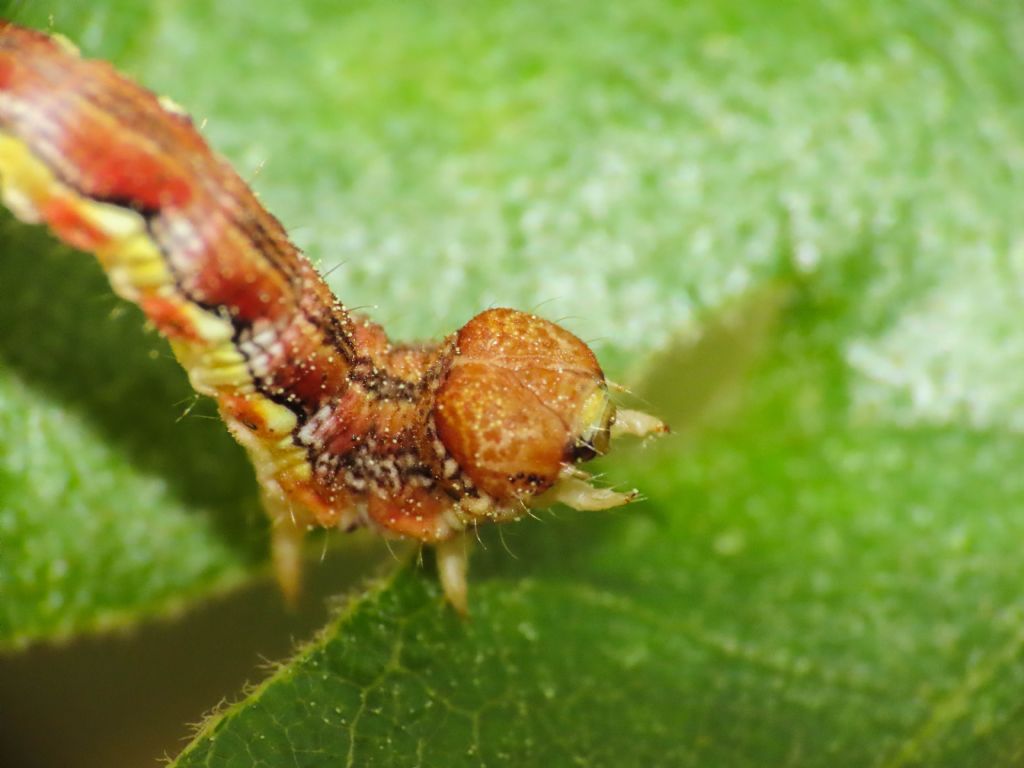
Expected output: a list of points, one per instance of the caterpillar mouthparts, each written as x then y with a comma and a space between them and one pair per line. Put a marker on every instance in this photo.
344, 427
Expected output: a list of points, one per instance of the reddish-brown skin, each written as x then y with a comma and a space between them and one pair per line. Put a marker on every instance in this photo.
506, 413
475, 425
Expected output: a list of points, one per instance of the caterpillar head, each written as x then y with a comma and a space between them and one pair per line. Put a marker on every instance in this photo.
523, 402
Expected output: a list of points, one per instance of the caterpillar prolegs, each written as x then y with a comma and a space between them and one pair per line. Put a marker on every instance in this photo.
344, 428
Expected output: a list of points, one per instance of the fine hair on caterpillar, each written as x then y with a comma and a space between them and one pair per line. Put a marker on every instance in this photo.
344, 427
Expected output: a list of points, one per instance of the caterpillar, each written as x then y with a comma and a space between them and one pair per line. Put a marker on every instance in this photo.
344, 428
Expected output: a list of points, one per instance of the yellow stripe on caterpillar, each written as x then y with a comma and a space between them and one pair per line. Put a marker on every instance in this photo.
278, 419
231, 377
23, 179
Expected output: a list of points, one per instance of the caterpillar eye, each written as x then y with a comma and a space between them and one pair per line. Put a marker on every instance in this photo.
584, 451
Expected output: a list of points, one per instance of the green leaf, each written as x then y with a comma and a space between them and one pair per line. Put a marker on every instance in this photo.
816, 203
808, 583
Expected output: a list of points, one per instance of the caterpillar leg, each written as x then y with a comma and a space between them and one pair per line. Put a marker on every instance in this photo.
573, 490
286, 536
452, 565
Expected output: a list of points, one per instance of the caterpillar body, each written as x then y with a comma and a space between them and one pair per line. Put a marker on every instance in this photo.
344, 428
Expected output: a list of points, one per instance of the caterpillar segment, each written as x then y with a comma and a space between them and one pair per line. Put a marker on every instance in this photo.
344, 428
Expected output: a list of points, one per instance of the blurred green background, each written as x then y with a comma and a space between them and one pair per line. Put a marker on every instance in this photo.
793, 229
